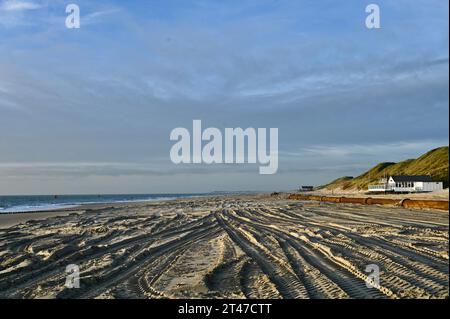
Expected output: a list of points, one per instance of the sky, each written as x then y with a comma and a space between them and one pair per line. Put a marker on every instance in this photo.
90, 110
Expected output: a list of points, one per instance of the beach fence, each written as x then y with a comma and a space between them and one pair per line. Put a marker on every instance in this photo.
407, 203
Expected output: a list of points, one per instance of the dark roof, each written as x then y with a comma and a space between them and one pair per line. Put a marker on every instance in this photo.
412, 178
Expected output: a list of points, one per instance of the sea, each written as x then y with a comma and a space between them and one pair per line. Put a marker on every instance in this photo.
15, 204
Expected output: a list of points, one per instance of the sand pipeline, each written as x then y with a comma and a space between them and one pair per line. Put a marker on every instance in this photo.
229, 247
406, 202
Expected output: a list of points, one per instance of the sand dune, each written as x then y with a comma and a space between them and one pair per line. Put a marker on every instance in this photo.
229, 247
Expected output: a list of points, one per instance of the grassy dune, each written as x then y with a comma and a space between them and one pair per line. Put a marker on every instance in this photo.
434, 163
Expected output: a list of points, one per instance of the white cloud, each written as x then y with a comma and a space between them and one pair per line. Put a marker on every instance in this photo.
395, 150
98, 15
14, 13
17, 5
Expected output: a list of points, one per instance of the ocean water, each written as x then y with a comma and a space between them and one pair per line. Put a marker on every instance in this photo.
11, 204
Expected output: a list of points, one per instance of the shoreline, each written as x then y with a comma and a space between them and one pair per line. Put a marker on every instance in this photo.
9, 219
50, 206
80, 205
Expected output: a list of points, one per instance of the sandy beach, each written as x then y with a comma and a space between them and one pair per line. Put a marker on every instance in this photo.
438, 195
226, 247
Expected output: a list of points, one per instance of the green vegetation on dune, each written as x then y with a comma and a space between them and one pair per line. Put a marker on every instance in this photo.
340, 181
434, 163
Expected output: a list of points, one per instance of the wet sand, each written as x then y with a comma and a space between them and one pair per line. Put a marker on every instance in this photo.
226, 247
11, 219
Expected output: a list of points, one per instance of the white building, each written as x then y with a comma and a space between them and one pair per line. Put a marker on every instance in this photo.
407, 184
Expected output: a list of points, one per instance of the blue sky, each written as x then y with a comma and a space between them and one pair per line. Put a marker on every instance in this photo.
90, 110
